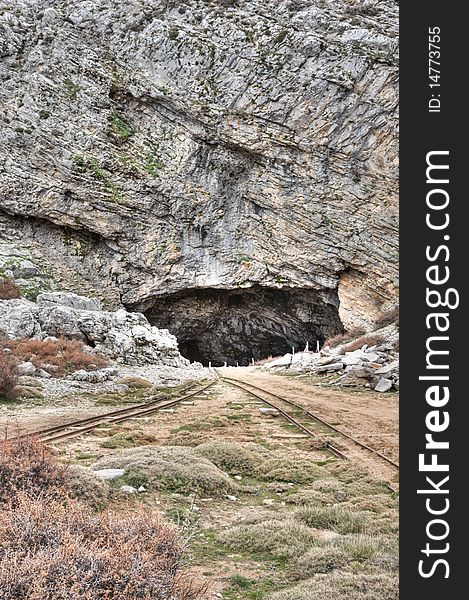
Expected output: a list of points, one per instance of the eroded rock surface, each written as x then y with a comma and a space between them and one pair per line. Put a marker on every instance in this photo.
203, 145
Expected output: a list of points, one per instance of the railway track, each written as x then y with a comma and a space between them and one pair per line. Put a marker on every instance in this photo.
81, 426
249, 387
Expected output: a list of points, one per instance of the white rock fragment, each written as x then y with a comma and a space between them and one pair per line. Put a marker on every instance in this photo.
26, 368
128, 489
109, 474
383, 385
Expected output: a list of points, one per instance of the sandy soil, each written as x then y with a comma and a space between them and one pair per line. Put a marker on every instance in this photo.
370, 417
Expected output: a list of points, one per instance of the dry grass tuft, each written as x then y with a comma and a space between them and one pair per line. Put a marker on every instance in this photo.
290, 468
337, 586
363, 547
371, 339
8, 376
334, 518
321, 559
342, 338
66, 355
134, 382
9, 290
129, 439
282, 538
84, 486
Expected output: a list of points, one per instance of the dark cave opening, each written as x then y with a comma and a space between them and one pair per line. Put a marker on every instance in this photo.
238, 325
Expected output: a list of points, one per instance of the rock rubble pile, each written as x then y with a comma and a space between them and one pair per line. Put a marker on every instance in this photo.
374, 366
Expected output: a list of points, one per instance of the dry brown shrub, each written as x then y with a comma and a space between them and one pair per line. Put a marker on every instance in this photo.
26, 468
62, 550
8, 376
388, 318
341, 338
52, 546
66, 355
8, 289
371, 340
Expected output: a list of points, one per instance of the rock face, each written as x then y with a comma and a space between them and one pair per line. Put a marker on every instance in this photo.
126, 337
229, 145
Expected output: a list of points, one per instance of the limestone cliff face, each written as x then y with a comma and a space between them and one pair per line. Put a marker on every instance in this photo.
159, 148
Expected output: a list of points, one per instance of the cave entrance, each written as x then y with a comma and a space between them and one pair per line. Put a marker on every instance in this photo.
238, 325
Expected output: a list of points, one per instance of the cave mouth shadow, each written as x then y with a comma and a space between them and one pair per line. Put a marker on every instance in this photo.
238, 325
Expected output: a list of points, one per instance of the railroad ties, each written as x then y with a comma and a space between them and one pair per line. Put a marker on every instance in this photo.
81, 426
255, 391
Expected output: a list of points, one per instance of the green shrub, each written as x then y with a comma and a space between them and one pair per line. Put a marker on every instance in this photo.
230, 457
174, 468
280, 538
292, 468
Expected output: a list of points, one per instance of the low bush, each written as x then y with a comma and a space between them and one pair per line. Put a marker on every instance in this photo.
362, 547
9, 290
129, 439
52, 546
319, 560
310, 497
64, 354
291, 468
26, 469
230, 457
282, 538
8, 376
337, 586
174, 468
87, 487
134, 382
335, 518
61, 550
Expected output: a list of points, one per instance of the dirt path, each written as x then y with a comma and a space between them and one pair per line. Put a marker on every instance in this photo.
368, 416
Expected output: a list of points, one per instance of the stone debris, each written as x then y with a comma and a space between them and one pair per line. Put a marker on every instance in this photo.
375, 367
283, 361
98, 376
26, 368
128, 489
231, 498
383, 385
269, 412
